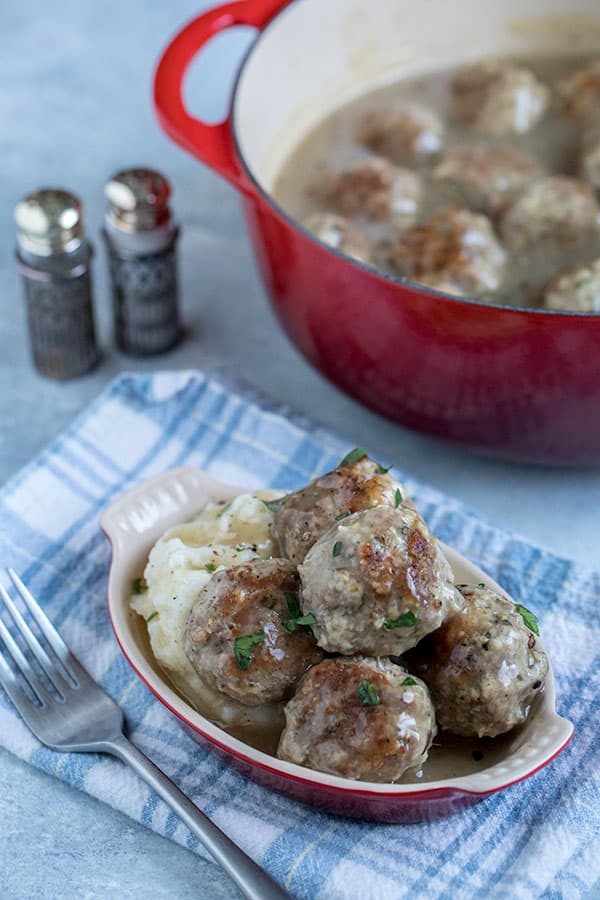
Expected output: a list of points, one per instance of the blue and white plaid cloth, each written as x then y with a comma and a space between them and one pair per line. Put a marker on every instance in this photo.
537, 839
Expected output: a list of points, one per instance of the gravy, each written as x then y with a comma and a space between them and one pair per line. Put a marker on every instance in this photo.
333, 145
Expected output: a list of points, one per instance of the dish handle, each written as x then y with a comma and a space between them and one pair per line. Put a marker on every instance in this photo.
211, 144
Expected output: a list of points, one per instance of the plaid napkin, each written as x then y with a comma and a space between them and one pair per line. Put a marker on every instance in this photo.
539, 838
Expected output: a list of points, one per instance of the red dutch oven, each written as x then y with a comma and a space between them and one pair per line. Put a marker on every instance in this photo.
522, 384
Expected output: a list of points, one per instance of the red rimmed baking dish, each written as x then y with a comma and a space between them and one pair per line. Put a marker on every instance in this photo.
521, 384
135, 521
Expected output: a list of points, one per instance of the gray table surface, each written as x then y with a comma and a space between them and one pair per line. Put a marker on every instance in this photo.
75, 106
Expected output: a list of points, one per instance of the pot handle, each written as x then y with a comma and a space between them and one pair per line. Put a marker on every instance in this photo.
212, 144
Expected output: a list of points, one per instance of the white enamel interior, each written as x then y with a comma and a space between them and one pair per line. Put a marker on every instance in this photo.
136, 520
317, 54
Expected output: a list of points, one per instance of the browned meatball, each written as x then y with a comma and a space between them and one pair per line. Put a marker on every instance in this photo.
340, 234
577, 289
455, 247
376, 583
241, 634
553, 213
579, 92
484, 667
366, 719
307, 514
407, 133
488, 177
497, 97
375, 189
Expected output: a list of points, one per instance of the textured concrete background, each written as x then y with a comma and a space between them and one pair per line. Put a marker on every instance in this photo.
75, 105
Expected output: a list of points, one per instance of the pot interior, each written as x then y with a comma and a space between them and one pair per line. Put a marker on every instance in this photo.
316, 56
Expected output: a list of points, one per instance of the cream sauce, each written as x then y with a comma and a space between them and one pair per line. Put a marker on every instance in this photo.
333, 145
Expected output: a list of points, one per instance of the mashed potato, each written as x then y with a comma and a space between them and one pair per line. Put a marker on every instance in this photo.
180, 564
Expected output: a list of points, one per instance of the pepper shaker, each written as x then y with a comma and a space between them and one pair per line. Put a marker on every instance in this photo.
54, 259
141, 239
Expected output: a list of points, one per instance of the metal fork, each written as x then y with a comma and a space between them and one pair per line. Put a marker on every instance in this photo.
76, 716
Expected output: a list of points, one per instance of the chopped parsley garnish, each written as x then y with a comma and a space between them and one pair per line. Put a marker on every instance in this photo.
406, 620
354, 456
481, 584
530, 619
383, 470
210, 567
139, 585
297, 619
337, 548
273, 505
224, 509
408, 681
397, 498
152, 616
367, 694
243, 647
303, 622
292, 604
343, 515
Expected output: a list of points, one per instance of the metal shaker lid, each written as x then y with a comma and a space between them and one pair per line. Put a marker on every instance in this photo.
49, 221
137, 200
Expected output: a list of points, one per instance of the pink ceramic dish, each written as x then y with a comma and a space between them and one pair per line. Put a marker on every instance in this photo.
452, 778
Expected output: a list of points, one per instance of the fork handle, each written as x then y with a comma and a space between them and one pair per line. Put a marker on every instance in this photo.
252, 881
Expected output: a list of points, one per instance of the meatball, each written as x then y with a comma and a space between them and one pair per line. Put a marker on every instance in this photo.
577, 289
242, 634
376, 583
497, 97
488, 177
407, 133
579, 92
307, 514
455, 247
484, 667
340, 234
553, 213
366, 719
375, 189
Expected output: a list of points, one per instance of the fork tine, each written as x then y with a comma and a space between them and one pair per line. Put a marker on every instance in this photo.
56, 677
46, 627
11, 685
29, 713
21, 662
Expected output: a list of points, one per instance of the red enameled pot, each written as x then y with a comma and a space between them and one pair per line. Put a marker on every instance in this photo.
521, 384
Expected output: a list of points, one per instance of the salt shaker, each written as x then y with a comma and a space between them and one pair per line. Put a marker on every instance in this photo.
141, 240
54, 258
